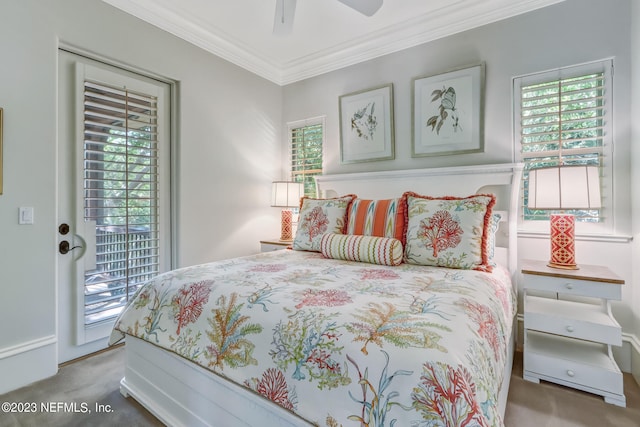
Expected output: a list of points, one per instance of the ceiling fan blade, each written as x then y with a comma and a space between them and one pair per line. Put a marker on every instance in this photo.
366, 7
283, 19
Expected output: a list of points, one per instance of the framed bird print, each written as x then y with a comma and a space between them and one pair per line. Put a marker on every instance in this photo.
448, 112
366, 125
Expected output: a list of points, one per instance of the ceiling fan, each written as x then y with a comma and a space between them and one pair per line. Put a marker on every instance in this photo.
285, 11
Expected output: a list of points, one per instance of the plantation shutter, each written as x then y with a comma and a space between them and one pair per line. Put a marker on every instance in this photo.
563, 118
306, 153
120, 195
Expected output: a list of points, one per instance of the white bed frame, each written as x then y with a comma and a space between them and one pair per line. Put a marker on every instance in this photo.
181, 393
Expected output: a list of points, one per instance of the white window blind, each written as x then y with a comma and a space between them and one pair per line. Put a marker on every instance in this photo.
563, 118
120, 195
306, 153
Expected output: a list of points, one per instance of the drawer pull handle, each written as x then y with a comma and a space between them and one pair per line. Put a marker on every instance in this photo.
570, 328
571, 373
569, 286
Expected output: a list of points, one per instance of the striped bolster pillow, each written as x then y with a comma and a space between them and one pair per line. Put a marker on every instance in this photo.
372, 249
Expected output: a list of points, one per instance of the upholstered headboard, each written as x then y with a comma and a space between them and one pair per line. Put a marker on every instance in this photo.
503, 180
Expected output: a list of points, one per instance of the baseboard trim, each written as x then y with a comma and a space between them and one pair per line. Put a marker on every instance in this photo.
633, 340
27, 363
27, 346
634, 348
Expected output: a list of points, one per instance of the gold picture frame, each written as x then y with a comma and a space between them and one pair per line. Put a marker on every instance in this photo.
0, 150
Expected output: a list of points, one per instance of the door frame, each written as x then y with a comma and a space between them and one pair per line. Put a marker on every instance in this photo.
90, 339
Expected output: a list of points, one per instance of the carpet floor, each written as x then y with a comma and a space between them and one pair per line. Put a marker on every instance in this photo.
86, 393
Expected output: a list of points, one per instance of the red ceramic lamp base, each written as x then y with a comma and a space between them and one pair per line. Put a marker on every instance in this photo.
563, 253
286, 226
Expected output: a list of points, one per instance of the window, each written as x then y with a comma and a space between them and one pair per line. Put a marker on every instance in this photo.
306, 138
563, 117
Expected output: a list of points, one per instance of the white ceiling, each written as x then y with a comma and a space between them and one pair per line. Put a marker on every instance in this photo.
327, 35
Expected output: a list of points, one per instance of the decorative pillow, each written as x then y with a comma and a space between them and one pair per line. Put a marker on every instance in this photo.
449, 231
382, 218
494, 223
371, 249
320, 216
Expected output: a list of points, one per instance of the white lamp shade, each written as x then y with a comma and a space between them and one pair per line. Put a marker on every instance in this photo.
286, 194
564, 187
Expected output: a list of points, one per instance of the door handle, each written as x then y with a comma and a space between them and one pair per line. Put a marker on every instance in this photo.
64, 247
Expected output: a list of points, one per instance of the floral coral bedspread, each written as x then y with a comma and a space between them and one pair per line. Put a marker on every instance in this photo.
339, 343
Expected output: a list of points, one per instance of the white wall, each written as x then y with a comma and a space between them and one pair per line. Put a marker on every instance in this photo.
229, 151
568, 33
634, 299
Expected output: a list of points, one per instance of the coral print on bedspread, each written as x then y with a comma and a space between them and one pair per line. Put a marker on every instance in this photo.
339, 343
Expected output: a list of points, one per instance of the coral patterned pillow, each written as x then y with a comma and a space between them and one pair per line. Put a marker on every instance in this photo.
449, 231
494, 224
320, 216
371, 249
383, 218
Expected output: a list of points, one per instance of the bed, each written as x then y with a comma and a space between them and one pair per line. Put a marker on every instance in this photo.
333, 334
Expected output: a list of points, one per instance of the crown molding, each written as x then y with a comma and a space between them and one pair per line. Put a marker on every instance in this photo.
220, 45
420, 30
395, 38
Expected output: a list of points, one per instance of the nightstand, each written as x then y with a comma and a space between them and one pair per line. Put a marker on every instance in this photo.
273, 245
569, 328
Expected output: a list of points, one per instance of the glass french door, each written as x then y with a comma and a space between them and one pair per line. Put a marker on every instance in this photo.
115, 170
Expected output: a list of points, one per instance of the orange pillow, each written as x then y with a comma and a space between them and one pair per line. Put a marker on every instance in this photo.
381, 218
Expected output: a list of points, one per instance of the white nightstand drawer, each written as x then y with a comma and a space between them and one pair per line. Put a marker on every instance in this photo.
574, 363
577, 320
573, 287
569, 328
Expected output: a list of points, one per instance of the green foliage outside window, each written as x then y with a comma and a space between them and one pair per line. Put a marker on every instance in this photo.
306, 156
562, 123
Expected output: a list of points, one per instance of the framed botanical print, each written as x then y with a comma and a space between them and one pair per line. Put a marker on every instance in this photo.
448, 112
366, 125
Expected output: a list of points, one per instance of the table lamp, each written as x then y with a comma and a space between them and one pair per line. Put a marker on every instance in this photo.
286, 194
560, 188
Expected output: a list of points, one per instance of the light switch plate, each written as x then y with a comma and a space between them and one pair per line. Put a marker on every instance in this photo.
25, 215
